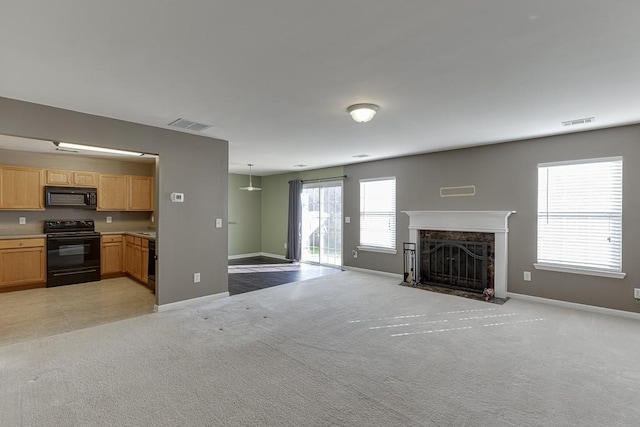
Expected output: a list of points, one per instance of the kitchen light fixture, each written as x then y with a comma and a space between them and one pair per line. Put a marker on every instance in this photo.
362, 113
250, 187
98, 149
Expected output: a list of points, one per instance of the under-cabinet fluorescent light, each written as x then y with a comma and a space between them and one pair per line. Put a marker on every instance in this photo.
99, 149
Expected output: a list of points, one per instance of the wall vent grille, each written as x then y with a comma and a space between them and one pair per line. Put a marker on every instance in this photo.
188, 124
584, 121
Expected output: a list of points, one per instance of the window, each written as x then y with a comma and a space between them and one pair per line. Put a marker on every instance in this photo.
378, 215
580, 217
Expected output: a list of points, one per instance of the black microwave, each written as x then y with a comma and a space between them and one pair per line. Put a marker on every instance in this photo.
71, 197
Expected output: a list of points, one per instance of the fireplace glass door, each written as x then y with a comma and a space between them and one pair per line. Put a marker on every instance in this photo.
322, 223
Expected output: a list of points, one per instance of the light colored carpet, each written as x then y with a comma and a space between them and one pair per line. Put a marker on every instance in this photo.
349, 349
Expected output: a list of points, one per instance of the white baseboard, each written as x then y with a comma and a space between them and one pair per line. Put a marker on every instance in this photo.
583, 307
376, 272
180, 304
272, 255
256, 254
244, 255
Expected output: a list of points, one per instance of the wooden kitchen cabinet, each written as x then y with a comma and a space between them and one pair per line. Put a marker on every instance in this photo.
21, 188
22, 262
112, 255
136, 256
70, 178
133, 256
125, 193
85, 179
140, 192
58, 177
112, 192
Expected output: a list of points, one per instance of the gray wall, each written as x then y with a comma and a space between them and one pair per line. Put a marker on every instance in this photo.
245, 216
275, 205
505, 176
188, 241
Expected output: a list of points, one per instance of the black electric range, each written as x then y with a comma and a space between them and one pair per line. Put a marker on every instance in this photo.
73, 251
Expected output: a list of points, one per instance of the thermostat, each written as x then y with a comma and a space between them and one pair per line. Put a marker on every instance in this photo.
177, 197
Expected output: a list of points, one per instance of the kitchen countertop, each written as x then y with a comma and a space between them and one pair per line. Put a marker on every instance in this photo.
151, 235
6, 235
20, 235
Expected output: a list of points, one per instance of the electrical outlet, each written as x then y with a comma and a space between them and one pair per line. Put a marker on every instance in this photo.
527, 276
218, 222
22, 220
636, 293
196, 277
109, 219
347, 220
355, 253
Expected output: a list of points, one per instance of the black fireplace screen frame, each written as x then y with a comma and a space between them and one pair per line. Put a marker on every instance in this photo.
455, 264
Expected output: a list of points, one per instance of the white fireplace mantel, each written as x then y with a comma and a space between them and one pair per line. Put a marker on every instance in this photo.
496, 222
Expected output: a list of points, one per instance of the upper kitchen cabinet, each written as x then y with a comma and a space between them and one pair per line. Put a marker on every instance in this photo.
125, 193
140, 193
71, 178
21, 188
112, 192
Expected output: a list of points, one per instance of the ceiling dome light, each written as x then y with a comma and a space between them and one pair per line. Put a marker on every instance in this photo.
362, 113
250, 187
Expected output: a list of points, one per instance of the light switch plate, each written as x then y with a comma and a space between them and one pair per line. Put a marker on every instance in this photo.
109, 219
218, 222
636, 293
22, 220
527, 276
347, 220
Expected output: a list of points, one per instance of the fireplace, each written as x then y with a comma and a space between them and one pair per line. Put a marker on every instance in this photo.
462, 236
457, 259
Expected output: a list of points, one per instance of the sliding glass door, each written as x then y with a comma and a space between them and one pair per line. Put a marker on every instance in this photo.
322, 223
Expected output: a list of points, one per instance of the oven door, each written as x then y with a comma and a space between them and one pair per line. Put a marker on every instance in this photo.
72, 259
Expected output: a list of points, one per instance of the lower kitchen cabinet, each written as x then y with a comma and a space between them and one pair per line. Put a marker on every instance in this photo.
112, 255
22, 262
137, 258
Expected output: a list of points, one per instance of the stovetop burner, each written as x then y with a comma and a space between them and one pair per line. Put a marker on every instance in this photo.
75, 226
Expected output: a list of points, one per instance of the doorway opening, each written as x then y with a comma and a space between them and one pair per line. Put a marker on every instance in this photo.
322, 223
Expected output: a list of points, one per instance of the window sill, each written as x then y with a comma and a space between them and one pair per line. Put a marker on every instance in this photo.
378, 250
575, 270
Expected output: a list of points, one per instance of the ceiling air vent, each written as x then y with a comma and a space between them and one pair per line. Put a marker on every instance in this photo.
188, 124
579, 121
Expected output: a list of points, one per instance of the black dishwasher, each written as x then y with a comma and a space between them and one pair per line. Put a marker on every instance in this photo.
151, 281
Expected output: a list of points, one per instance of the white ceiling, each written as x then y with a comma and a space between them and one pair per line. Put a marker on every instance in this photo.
275, 77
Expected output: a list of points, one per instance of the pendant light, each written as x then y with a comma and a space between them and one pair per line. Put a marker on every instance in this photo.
250, 187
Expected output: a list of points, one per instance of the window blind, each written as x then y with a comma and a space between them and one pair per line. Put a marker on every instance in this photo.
378, 213
580, 214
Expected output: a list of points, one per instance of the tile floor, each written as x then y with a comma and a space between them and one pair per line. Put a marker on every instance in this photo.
42, 312
36, 313
250, 274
